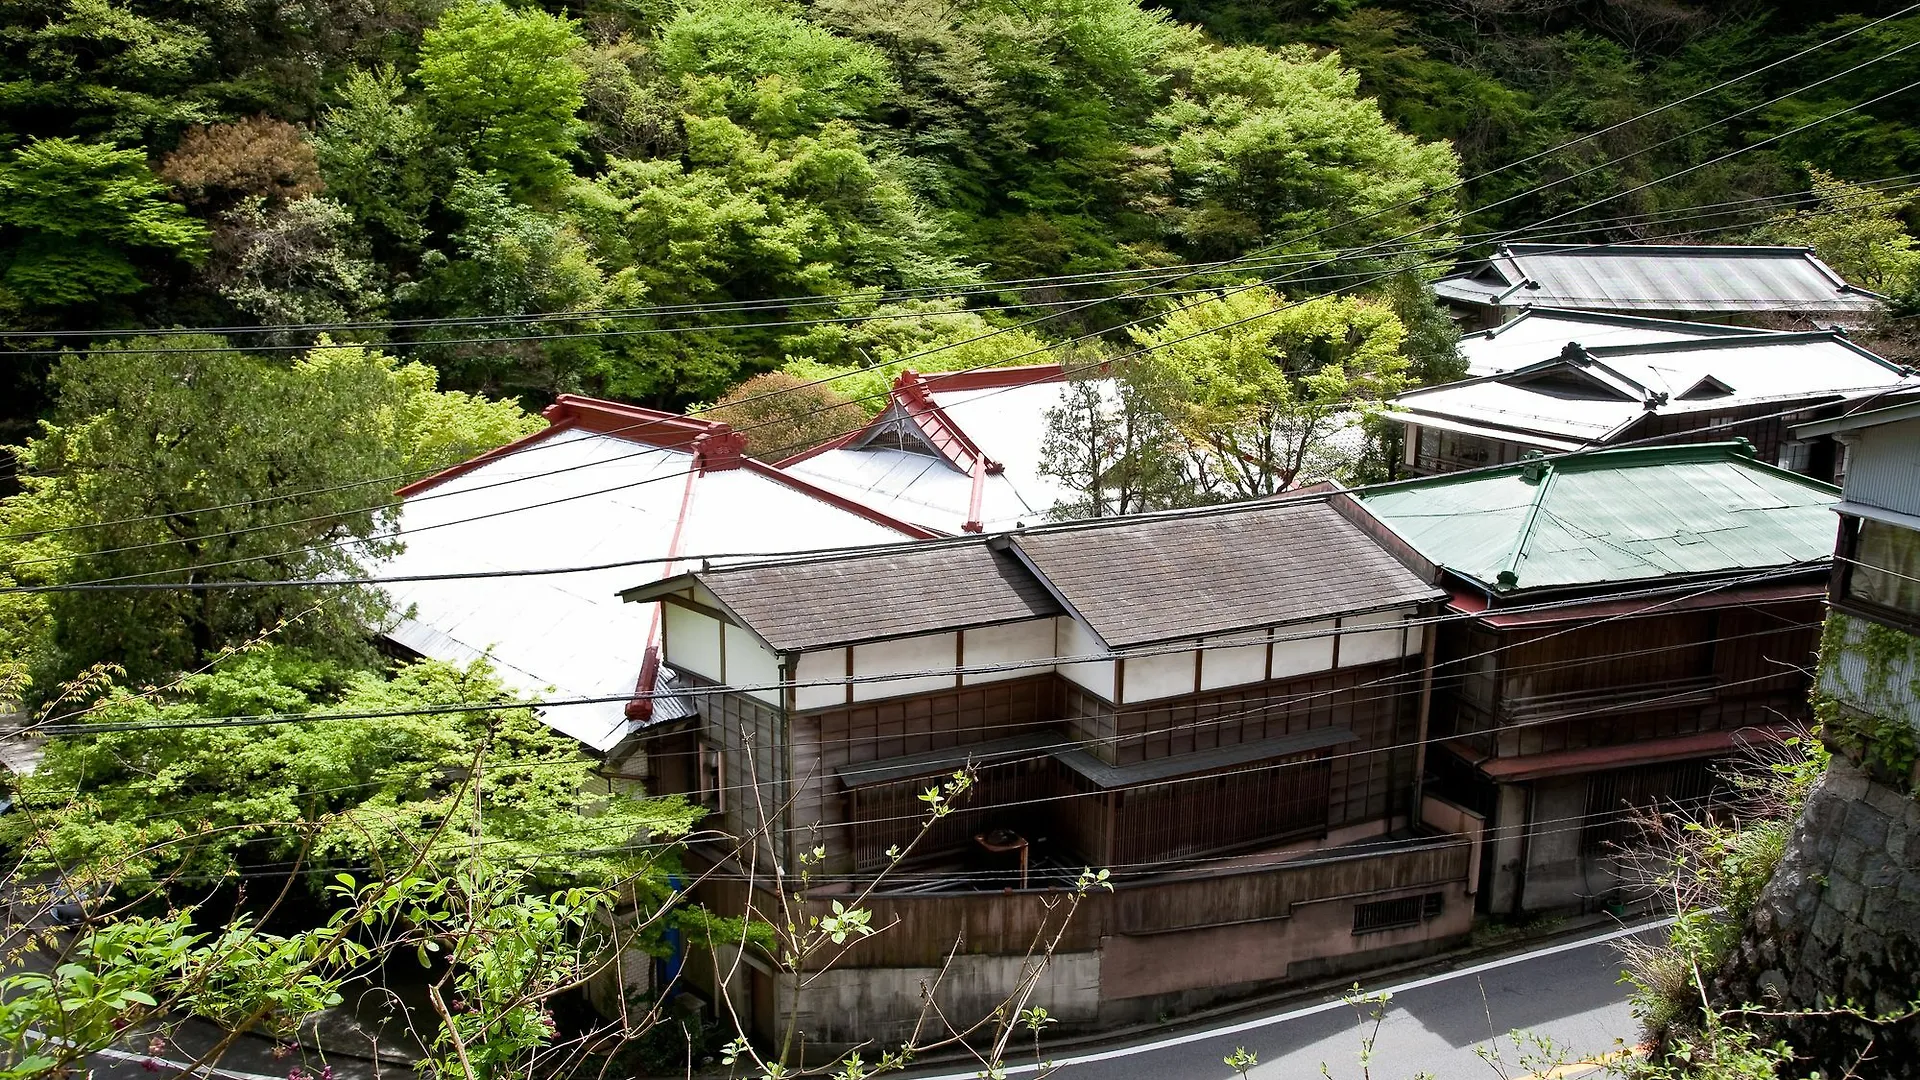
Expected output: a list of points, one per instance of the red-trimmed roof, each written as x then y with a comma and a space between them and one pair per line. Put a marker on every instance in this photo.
715, 444
1600, 758
949, 382
913, 400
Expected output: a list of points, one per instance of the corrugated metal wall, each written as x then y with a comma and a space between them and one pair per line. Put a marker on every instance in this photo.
1884, 468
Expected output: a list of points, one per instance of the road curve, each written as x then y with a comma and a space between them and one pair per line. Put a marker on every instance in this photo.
1569, 992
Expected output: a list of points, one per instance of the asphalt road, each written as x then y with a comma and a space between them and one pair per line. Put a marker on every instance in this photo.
1568, 992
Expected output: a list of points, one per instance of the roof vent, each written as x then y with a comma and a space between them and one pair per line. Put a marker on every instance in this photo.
1707, 387
1534, 466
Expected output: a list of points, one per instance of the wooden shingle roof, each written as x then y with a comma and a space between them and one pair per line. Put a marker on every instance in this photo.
1134, 581
1163, 577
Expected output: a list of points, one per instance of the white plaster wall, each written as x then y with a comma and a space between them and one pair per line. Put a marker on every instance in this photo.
750, 664
693, 641
1234, 665
1165, 675
1014, 642
928, 652
1305, 655
1377, 645
813, 667
1074, 639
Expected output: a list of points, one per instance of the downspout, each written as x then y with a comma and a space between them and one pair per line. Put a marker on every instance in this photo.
978, 495
1431, 635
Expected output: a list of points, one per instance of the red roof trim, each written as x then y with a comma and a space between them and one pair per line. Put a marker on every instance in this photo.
915, 400
916, 532
947, 382
1600, 758
716, 444
651, 427
641, 707
521, 443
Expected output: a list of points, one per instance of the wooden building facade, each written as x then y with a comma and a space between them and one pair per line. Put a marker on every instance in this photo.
1620, 623
1225, 710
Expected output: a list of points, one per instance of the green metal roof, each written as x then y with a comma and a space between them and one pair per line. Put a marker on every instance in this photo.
1611, 516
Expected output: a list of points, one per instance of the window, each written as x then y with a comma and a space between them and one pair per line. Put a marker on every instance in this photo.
1445, 451
1883, 569
1401, 911
1617, 800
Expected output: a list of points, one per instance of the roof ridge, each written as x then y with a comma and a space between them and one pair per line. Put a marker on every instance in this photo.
1629, 247
1586, 315
990, 378
1728, 341
1509, 575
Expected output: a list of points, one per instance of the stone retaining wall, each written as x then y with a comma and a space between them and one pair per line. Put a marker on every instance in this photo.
1839, 923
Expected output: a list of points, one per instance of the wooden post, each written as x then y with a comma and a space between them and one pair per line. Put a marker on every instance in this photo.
1430, 635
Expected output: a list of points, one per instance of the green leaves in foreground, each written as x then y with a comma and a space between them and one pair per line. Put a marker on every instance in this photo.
201, 805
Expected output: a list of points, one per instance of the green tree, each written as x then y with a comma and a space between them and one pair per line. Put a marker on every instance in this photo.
1269, 390
183, 466
744, 218
375, 150
863, 358
758, 63
501, 84
79, 223
331, 794
1857, 231
121, 70
1267, 146
508, 258
1110, 445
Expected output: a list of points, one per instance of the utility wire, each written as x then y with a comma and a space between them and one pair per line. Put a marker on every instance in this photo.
1284, 307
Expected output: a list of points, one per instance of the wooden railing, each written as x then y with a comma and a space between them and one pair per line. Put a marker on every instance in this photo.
922, 929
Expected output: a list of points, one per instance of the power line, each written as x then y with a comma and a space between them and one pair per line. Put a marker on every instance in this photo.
425, 496
1677, 591
1805, 126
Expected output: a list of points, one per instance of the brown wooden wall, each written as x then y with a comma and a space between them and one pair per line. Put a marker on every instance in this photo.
923, 929
1625, 680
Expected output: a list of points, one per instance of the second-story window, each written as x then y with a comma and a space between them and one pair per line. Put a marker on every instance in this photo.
1883, 570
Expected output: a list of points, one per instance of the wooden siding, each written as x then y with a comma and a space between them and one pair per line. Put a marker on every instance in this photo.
1625, 680
921, 930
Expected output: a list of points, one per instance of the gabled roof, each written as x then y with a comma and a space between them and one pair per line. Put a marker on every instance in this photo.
816, 603
604, 483
1613, 516
1164, 576
1588, 396
1538, 334
955, 452
1657, 277
1133, 581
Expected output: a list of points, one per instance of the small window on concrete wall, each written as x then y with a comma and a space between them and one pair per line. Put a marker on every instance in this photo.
1399, 912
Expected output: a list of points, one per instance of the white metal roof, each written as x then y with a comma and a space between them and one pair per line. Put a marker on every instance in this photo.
1540, 333
1657, 277
1591, 394
573, 498
1008, 423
